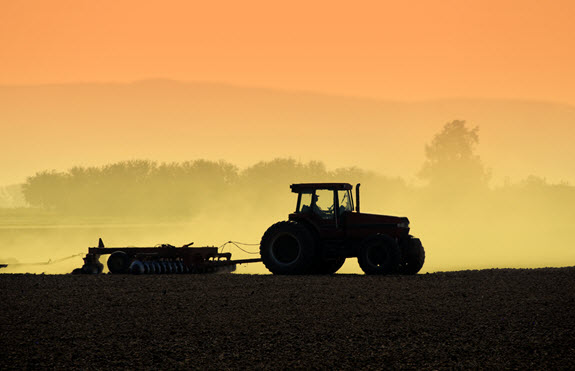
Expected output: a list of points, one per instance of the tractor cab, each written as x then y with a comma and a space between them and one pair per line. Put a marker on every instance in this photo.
328, 203
329, 209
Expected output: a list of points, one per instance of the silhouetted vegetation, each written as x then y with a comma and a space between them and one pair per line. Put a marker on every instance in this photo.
146, 188
132, 188
455, 178
451, 161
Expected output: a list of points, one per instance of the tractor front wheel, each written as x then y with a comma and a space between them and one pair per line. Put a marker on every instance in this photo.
379, 254
413, 257
287, 248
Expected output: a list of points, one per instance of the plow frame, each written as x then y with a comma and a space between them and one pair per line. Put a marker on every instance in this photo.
205, 259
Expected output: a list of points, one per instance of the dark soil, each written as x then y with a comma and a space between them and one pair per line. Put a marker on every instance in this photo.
520, 319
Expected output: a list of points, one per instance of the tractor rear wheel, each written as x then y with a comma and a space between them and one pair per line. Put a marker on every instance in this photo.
327, 265
287, 248
413, 257
379, 254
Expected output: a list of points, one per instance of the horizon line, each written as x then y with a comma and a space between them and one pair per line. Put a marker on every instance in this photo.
287, 91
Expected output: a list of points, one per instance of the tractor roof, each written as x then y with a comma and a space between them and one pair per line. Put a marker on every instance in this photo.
301, 187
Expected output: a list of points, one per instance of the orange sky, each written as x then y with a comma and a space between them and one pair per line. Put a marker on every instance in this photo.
394, 50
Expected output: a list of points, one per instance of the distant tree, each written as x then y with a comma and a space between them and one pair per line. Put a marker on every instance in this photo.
451, 160
46, 189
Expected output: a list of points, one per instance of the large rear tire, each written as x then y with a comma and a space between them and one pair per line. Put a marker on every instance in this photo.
413, 257
379, 254
288, 248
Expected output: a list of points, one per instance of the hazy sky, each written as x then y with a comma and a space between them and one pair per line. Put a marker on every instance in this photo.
393, 50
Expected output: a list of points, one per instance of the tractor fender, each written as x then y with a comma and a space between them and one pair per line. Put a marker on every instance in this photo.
311, 227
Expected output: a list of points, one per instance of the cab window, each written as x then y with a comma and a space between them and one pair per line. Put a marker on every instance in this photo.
324, 203
305, 205
319, 202
345, 203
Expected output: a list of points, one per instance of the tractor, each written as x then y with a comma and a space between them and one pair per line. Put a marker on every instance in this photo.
327, 228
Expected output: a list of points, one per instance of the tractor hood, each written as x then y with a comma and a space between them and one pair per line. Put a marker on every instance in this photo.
396, 221
360, 225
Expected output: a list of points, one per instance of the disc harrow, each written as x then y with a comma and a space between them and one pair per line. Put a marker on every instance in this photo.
161, 259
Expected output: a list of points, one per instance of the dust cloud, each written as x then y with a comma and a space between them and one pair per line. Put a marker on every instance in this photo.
462, 220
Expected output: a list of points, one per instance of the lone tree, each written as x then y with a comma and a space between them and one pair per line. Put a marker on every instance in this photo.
451, 161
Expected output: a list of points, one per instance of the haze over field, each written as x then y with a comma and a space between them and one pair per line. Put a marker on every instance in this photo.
175, 121
464, 222
61, 126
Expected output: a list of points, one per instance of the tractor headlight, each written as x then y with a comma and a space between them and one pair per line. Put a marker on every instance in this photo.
403, 225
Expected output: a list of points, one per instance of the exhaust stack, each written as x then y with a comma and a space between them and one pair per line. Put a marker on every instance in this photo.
357, 197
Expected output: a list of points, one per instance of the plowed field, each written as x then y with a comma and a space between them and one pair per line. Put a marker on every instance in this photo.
502, 318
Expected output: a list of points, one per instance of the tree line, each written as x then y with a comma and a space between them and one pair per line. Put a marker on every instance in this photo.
143, 187
452, 174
